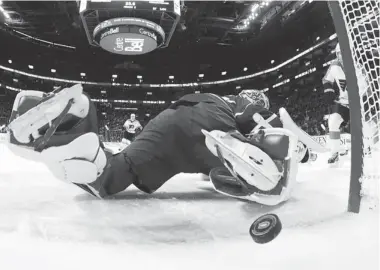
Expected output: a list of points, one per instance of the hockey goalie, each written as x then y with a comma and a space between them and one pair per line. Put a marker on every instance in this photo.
248, 152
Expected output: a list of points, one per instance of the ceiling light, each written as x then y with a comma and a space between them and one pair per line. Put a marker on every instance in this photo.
6, 15
30, 67
254, 8
114, 76
139, 77
317, 38
201, 75
272, 61
298, 50
245, 69
53, 70
171, 77
238, 87
83, 74
10, 61
224, 72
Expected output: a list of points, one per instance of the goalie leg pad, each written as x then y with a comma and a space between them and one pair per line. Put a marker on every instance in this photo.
226, 183
26, 127
244, 159
252, 175
80, 161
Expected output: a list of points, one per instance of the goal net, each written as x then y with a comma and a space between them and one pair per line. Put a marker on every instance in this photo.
357, 27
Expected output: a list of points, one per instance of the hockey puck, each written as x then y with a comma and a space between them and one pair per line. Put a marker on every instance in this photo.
265, 228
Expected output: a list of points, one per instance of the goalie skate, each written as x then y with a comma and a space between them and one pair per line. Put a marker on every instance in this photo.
25, 128
237, 156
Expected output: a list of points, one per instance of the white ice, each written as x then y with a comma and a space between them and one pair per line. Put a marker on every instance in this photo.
46, 224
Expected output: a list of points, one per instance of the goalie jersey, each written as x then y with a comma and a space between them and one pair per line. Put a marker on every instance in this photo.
244, 110
335, 80
232, 107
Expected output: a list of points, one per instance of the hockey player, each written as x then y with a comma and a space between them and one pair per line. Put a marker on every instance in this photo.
335, 95
192, 136
132, 126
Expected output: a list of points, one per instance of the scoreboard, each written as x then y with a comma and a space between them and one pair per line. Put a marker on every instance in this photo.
129, 27
158, 5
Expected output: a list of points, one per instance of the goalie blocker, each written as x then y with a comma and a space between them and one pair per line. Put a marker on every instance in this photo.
59, 129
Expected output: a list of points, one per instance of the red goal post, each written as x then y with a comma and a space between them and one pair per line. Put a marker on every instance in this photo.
357, 26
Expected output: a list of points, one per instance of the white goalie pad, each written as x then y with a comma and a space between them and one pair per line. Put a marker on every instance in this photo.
25, 127
255, 167
251, 163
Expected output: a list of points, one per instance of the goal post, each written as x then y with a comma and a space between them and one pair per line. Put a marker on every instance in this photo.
357, 26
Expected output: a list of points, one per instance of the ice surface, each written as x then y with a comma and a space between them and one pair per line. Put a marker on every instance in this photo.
47, 224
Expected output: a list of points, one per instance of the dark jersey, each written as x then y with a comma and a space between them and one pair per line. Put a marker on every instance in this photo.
234, 106
244, 110
173, 141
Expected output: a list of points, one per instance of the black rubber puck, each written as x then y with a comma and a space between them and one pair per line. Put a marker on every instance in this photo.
265, 228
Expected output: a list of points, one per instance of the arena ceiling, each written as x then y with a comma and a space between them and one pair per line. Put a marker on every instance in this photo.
209, 35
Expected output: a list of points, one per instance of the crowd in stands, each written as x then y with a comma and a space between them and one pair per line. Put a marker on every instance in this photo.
5, 111
306, 108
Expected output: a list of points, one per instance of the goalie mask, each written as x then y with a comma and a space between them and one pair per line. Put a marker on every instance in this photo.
255, 97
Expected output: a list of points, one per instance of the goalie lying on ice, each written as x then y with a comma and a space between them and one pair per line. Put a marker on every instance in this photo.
196, 134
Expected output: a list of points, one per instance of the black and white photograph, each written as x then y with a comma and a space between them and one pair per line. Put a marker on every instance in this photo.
190, 135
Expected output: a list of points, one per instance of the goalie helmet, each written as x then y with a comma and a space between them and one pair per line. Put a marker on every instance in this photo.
255, 97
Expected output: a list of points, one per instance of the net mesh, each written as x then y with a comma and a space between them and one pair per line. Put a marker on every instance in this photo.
362, 24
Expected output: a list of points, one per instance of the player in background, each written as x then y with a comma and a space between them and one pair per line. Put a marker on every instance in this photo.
171, 143
132, 127
335, 95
